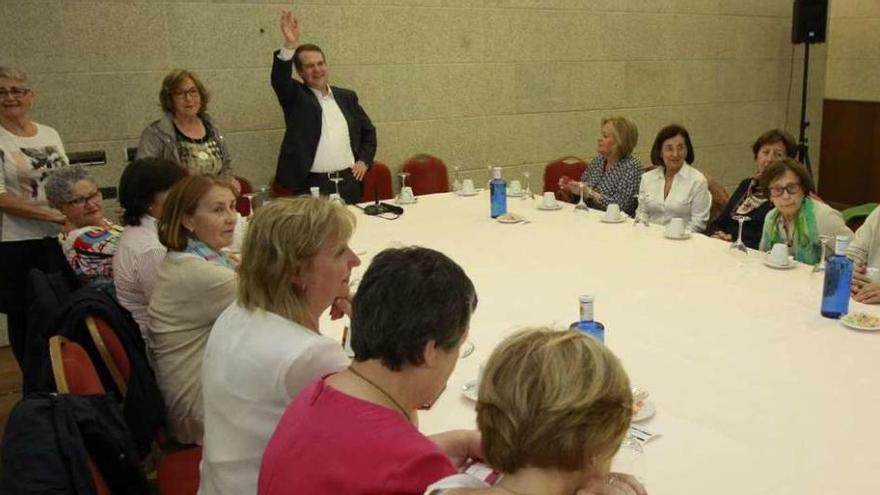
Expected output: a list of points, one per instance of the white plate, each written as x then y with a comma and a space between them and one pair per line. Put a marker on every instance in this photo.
549, 208
686, 235
470, 390
791, 264
646, 412
516, 219
858, 327
619, 219
468, 194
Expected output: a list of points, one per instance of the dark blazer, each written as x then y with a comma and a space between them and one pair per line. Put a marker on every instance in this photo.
302, 117
751, 229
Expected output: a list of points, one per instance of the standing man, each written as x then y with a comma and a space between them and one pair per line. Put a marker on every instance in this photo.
328, 134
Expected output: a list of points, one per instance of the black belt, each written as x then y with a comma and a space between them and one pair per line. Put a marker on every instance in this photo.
330, 175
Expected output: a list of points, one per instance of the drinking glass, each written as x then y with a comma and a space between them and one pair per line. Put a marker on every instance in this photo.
630, 459
824, 240
641, 216
489, 176
528, 187
581, 205
456, 182
336, 196
739, 244
403, 176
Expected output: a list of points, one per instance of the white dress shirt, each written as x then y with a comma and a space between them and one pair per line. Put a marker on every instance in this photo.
334, 146
134, 267
688, 197
254, 364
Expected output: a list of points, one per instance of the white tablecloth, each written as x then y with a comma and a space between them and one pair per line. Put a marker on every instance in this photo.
755, 391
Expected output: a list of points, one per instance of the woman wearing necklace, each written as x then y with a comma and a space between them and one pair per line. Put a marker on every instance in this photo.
194, 283
582, 419
186, 134
355, 432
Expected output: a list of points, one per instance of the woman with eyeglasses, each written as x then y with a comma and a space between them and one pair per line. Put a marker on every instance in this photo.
797, 219
28, 225
88, 240
186, 134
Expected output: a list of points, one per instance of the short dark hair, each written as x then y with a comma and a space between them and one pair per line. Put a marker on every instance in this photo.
775, 136
670, 132
407, 297
141, 181
308, 47
778, 168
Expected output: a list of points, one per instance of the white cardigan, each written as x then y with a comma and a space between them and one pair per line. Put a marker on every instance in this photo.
688, 198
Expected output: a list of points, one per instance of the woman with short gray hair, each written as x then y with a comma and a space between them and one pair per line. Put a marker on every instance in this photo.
28, 152
88, 240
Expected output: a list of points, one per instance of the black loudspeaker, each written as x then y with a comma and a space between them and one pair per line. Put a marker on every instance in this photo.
809, 21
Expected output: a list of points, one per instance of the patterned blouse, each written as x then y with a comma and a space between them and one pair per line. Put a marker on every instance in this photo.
90, 251
200, 156
619, 185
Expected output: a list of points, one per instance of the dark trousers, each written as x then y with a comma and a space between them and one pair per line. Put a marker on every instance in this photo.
349, 188
16, 260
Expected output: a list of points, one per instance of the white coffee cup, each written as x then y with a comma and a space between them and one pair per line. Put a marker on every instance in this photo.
779, 254
467, 186
406, 195
515, 187
873, 274
550, 200
675, 227
315, 191
612, 212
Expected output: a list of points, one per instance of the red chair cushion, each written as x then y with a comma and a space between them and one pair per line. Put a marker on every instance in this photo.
117, 352
427, 175
377, 179
179, 472
82, 378
569, 166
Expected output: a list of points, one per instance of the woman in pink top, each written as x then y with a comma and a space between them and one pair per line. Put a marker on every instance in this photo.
355, 432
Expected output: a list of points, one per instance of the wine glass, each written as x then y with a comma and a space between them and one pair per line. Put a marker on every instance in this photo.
641, 216
739, 244
630, 458
528, 186
824, 240
456, 182
400, 196
581, 205
336, 196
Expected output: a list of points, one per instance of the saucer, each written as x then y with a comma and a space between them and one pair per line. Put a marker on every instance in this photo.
646, 412
468, 194
549, 208
514, 194
619, 219
787, 266
510, 218
470, 390
686, 235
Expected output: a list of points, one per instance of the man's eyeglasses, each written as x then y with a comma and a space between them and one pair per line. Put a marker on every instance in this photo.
192, 93
14, 92
82, 200
792, 189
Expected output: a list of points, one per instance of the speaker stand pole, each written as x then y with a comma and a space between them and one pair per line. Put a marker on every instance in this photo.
803, 142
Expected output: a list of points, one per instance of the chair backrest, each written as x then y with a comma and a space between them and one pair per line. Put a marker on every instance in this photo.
111, 351
427, 174
720, 197
242, 205
569, 166
377, 180
73, 370
855, 216
279, 191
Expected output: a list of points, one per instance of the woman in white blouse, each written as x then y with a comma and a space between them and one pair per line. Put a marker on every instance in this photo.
675, 189
142, 190
266, 346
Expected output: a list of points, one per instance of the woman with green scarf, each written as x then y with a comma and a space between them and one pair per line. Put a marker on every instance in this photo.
798, 218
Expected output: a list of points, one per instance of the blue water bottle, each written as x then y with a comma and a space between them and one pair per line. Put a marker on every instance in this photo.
587, 324
497, 194
838, 278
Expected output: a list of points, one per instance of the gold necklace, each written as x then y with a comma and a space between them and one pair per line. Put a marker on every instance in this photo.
380, 389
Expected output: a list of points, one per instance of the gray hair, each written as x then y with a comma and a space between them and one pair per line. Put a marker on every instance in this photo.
61, 181
10, 73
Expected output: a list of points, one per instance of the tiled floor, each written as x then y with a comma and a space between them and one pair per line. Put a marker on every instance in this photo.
10, 385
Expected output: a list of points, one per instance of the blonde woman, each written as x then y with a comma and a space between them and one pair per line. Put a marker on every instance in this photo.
267, 346
613, 176
545, 429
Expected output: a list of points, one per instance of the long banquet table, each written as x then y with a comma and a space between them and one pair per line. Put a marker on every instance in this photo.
755, 392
